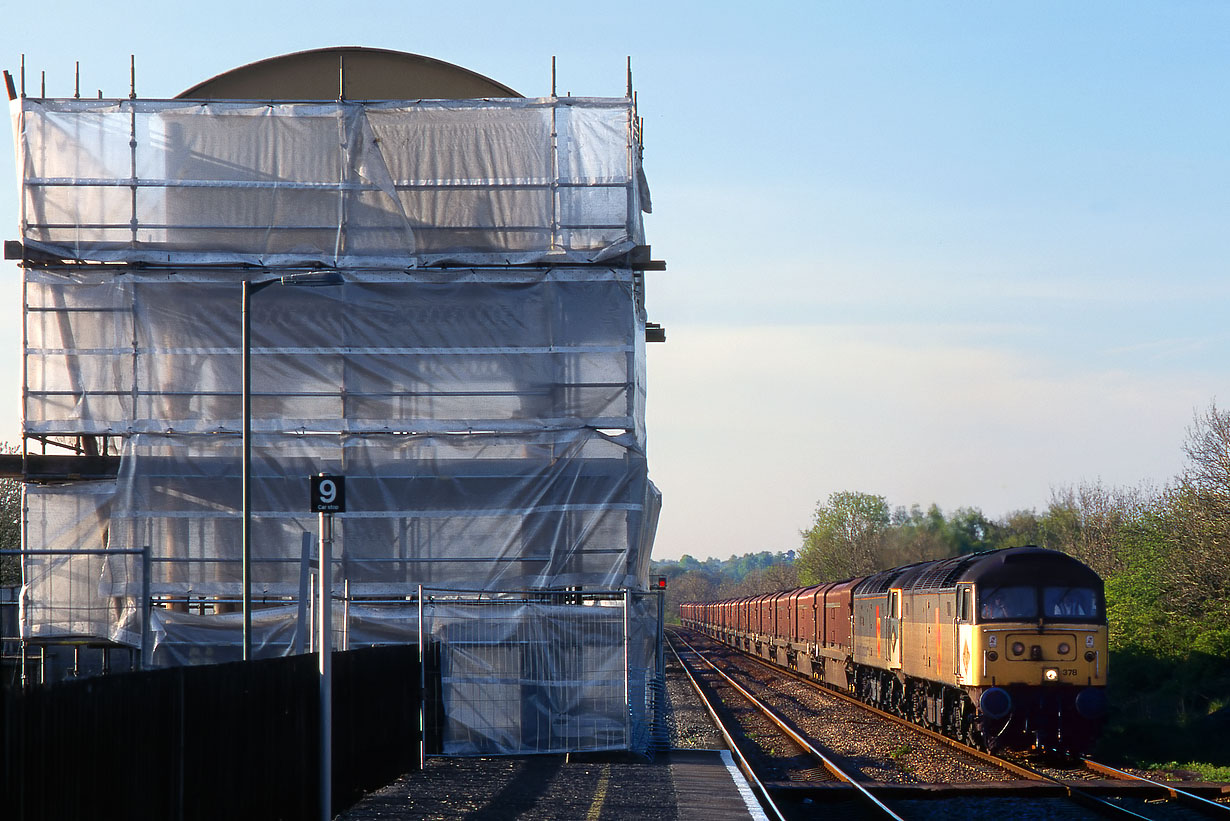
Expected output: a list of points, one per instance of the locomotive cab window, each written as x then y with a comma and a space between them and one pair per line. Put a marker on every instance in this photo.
965, 605
1069, 602
1008, 603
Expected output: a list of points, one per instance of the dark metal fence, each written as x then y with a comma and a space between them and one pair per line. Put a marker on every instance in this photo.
231, 741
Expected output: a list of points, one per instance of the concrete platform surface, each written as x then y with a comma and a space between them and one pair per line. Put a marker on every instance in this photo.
682, 785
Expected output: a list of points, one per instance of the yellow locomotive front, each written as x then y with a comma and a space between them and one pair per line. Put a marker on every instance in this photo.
1032, 644
1005, 649
1006, 644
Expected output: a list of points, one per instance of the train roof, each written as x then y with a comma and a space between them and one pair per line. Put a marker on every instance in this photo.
1012, 565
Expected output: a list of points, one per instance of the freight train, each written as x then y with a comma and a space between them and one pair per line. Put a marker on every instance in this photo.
1004, 650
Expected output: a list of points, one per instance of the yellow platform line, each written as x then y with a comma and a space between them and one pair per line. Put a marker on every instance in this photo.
595, 809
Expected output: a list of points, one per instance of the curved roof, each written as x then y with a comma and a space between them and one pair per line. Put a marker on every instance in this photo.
1030, 566
881, 581
361, 73
1012, 565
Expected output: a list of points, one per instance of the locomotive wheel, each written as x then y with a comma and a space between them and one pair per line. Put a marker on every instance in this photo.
917, 702
897, 702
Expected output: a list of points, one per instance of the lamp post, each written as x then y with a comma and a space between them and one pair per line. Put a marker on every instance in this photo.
250, 289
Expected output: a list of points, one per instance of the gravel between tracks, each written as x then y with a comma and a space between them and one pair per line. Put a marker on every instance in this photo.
689, 723
879, 749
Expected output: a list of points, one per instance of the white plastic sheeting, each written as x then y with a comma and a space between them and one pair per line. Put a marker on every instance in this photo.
181, 638
496, 511
417, 351
61, 595
491, 511
344, 184
491, 424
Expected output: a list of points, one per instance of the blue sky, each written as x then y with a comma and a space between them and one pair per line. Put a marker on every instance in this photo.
959, 253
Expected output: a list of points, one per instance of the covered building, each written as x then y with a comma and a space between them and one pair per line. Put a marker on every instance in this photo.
472, 363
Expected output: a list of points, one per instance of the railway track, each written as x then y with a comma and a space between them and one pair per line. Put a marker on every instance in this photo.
833, 753
754, 756
1158, 790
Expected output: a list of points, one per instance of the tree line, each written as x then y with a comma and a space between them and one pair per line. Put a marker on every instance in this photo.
10, 526
691, 579
1164, 554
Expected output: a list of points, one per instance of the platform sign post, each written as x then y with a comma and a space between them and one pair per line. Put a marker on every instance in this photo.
328, 496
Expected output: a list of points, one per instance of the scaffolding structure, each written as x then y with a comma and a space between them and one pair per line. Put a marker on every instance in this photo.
474, 367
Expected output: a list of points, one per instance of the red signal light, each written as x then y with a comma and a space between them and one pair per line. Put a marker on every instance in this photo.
661, 582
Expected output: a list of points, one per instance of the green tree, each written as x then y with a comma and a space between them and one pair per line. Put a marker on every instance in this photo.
10, 525
693, 585
1089, 521
1198, 560
10, 530
1020, 527
916, 536
689, 579
771, 579
969, 531
847, 538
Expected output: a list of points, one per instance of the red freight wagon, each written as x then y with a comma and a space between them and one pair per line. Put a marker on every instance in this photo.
762, 614
744, 608
838, 610
778, 632
837, 647
802, 618
785, 616
752, 607
807, 602
747, 615
806, 624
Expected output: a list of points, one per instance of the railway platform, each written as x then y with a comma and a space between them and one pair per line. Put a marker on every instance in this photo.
682, 784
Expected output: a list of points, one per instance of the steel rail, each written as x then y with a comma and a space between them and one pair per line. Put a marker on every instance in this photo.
798, 738
1192, 800
1098, 805
744, 765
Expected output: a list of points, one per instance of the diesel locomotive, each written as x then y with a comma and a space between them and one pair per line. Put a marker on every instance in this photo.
1004, 650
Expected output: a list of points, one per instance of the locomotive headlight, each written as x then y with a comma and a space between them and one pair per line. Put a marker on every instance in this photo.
1064, 648
1051, 674
992, 655
1090, 655
1017, 648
